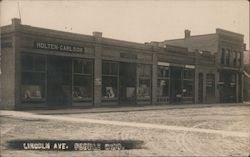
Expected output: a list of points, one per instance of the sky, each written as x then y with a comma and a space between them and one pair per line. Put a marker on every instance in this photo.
132, 20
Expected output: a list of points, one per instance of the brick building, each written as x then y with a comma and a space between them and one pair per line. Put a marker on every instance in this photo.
246, 76
228, 48
48, 68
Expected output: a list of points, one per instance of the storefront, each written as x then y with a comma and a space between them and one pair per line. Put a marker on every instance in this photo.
175, 84
53, 69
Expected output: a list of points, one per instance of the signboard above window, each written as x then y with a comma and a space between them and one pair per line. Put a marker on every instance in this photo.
58, 47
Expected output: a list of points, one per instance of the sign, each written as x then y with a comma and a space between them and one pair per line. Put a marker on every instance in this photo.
163, 63
190, 66
59, 47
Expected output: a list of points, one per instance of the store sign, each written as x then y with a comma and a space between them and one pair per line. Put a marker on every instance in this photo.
59, 47
190, 66
163, 63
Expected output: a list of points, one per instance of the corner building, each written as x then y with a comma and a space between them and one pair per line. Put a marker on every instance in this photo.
43, 68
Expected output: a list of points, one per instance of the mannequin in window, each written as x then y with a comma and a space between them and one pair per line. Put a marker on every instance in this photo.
109, 92
27, 95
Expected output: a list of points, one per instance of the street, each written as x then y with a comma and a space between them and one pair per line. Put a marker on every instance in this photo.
204, 131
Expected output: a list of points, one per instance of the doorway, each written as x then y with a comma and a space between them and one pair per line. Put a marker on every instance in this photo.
59, 81
127, 79
176, 85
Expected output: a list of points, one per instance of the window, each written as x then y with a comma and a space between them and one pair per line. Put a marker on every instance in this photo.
163, 71
188, 82
222, 56
163, 85
144, 81
227, 57
210, 84
144, 88
239, 58
82, 80
33, 77
234, 56
110, 80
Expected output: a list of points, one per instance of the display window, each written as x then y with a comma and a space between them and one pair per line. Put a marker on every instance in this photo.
82, 80
188, 83
163, 85
33, 77
144, 81
110, 75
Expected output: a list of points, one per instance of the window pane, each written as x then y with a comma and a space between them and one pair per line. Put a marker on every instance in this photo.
188, 73
82, 87
144, 88
27, 62
187, 88
163, 71
239, 58
77, 66
114, 69
39, 63
210, 84
33, 86
163, 88
227, 57
140, 69
109, 87
105, 68
88, 67
147, 70
234, 58
222, 56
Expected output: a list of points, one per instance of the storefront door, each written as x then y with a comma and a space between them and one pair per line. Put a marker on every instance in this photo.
59, 81
176, 85
127, 83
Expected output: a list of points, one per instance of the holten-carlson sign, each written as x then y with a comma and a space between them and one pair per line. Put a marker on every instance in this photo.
59, 47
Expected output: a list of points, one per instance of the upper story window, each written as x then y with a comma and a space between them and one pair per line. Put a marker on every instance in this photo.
227, 57
234, 55
222, 56
239, 58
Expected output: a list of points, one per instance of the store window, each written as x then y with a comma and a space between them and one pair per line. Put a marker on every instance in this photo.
188, 82
210, 85
82, 80
110, 80
144, 81
163, 84
33, 77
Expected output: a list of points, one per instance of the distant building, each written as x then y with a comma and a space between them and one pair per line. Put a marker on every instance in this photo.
48, 68
228, 48
246, 75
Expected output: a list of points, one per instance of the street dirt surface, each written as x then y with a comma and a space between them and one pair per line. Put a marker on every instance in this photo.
207, 131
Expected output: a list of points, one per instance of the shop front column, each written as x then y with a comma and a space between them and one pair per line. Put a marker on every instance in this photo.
237, 87
196, 86
154, 80
216, 84
10, 70
205, 87
97, 77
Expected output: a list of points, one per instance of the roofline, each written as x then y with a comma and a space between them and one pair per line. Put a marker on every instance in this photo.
191, 37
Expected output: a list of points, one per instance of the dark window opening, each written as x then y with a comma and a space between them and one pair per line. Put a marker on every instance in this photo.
163, 85
33, 78
144, 81
222, 56
82, 80
110, 75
